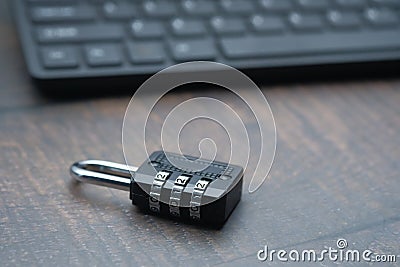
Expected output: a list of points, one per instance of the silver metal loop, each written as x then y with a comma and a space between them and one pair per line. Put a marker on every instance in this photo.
104, 173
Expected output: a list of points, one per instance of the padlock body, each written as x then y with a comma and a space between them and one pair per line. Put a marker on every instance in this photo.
187, 188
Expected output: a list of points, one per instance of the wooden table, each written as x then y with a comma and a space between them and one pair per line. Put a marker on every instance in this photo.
335, 175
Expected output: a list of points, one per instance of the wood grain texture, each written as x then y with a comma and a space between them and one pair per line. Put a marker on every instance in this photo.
335, 175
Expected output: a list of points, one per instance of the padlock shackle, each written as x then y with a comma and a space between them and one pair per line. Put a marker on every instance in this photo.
103, 173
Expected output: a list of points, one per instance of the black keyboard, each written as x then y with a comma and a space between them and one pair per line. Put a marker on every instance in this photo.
95, 40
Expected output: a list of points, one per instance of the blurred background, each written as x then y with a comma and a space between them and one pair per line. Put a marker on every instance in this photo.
329, 69
115, 44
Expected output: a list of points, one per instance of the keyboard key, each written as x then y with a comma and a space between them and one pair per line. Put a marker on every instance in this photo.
59, 57
146, 52
62, 13
237, 6
306, 22
200, 49
159, 8
51, 1
186, 27
291, 45
64, 33
276, 5
381, 17
199, 7
344, 20
103, 55
387, 3
314, 4
223, 25
268, 24
351, 3
118, 10
147, 29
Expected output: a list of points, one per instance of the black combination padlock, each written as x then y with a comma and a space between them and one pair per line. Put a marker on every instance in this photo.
172, 185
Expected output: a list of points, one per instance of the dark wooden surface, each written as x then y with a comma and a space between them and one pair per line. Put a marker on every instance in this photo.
336, 175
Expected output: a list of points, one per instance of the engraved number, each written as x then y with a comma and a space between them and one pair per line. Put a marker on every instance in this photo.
162, 175
201, 184
182, 180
